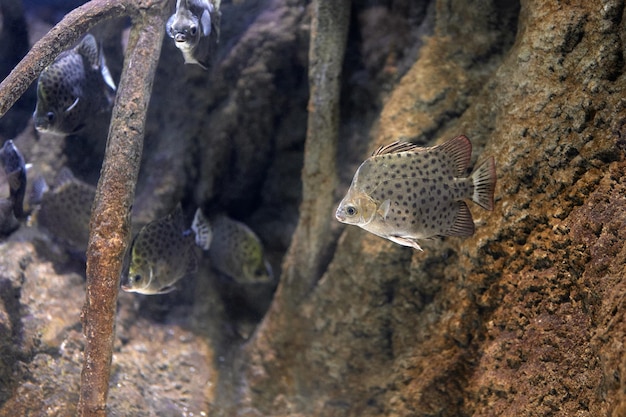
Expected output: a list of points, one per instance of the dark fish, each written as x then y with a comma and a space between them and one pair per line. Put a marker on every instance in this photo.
163, 252
72, 89
404, 192
15, 169
195, 28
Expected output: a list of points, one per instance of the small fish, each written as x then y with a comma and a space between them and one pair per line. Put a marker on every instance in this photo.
237, 252
15, 169
72, 89
195, 28
404, 192
65, 210
8, 221
163, 252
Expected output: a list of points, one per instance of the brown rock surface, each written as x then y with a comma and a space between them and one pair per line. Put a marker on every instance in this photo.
525, 318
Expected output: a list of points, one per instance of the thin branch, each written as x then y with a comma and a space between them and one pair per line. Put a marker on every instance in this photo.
110, 218
311, 242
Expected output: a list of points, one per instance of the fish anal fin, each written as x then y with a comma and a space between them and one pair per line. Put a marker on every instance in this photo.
406, 241
463, 224
397, 146
484, 180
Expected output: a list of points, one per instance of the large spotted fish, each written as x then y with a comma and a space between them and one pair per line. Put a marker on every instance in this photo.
195, 28
404, 192
71, 90
163, 252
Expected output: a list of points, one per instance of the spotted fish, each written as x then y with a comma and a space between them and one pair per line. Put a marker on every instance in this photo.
195, 28
163, 252
65, 209
72, 89
15, 170
404, 192
237, 252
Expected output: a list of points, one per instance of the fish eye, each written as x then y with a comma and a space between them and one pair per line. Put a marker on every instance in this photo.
137, 278
193, 30
50, 116
351, 211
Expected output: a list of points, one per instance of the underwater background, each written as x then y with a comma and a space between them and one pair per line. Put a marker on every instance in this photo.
524, 318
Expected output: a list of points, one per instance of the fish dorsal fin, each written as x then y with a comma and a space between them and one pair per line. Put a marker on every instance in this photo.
64, 176
176, 217
397, 146
88, 48
463, 224
459, 149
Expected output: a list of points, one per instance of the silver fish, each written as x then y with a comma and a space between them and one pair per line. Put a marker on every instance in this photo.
195, 28
163, 252
72, 89
15, 170
404, 192
237, 252
65, 210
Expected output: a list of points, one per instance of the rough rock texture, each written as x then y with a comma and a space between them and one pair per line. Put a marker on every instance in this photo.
525, 318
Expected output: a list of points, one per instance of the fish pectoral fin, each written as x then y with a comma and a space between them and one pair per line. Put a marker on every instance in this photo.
166, 289
383, 209
73, 105
463, 224
406, 241
206, 23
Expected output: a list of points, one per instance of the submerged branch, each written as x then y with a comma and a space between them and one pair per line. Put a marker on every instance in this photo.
110, 218
305, 260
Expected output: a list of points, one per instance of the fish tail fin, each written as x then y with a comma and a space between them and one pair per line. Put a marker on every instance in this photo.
202, 229
484, 180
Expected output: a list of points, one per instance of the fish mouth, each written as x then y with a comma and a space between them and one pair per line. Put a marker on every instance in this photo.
340, 216
180, 38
